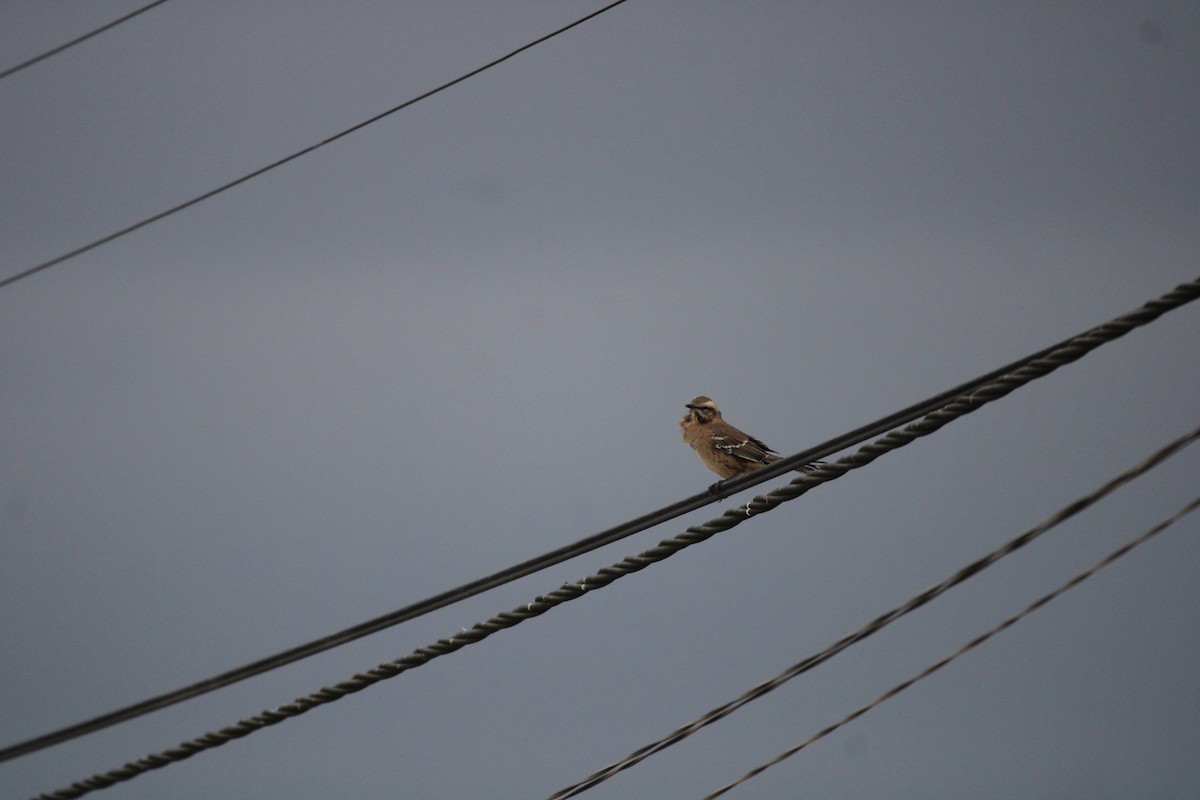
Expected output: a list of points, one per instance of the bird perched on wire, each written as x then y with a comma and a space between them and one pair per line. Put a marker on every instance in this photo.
723, 448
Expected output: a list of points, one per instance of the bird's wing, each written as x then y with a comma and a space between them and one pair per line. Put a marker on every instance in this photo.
729, 439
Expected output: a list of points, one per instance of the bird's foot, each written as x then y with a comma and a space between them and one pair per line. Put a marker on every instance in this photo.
716, 491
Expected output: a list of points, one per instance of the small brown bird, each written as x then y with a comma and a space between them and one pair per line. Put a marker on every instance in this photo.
723, 448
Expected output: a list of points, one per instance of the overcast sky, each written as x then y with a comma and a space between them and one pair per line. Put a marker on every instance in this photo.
464, 335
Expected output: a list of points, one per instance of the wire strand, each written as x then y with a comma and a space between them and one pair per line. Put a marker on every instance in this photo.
1113, 329
55, 51
961, 406
969, 646
876, 625
303, 152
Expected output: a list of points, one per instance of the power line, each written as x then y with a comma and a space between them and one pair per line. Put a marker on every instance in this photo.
55, 51
1040, 363
876, 625
303, 152
969, 646
960, 406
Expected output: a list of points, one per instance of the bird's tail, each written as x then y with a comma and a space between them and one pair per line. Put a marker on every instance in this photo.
811, 467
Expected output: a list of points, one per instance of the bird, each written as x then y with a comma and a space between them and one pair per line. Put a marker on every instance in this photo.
723, 448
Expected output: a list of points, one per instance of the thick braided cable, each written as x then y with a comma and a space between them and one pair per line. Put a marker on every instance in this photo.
528, 567
877, 624
966, 648
1072, 350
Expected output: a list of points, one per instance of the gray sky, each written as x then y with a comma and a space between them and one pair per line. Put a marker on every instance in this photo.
465, 335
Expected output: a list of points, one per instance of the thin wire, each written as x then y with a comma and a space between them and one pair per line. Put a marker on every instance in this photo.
1113, 329
969, 646
567, 592
78, 39
261, 170
876, 625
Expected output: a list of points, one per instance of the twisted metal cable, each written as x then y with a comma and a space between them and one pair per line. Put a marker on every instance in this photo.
969, 646
1179, 296
1072, 350
876, 625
